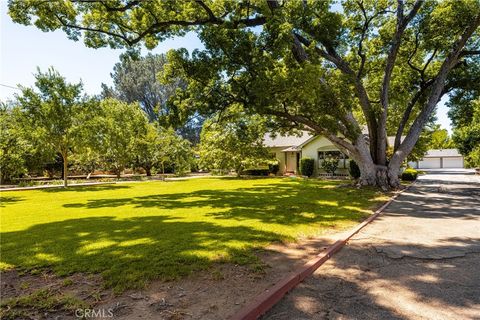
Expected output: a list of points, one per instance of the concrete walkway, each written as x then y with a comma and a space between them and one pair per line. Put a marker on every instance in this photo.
418, 260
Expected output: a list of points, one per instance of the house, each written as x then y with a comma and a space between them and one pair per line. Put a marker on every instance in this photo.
288, 150
438, 159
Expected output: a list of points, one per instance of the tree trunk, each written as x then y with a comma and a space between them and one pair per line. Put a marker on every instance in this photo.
239, 171
383, 177
65, 169
372, 174
148, 170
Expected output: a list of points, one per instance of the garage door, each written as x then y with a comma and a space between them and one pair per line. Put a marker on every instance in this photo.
453, 162
429, 163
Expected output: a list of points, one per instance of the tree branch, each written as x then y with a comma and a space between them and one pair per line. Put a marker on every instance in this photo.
408, 111
469, 53
365, 27
361, 92
437, 90
344, 144
402, 23
211, 15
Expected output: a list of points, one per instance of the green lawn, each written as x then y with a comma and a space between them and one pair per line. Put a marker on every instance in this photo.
132, 233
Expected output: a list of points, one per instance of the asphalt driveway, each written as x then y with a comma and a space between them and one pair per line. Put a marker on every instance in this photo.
419, 260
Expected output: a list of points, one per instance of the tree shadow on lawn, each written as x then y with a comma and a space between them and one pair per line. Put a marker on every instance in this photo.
130, 252
282, 203
4, 201
435, 203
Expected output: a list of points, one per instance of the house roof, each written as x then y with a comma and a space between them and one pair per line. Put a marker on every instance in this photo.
279, 140
442, 153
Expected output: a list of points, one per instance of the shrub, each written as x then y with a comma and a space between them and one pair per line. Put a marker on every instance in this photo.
307, 166
409, 174
354, 170
330, 165
274, 168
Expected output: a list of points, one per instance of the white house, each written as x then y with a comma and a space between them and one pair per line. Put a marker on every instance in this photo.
291, 148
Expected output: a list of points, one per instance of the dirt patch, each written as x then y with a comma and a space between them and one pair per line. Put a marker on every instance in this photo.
43, 295
216, 293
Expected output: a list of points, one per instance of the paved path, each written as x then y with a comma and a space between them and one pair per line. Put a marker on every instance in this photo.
418, 260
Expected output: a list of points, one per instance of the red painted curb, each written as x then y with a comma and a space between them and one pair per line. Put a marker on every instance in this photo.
265, 301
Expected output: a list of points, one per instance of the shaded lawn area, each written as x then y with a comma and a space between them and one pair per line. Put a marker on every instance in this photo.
133, 233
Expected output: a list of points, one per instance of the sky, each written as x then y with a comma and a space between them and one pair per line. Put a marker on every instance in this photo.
24, 48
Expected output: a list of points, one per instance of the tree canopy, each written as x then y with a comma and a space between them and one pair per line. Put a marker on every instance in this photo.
135, 79
115, 131
467, 136
233, 142
333, 70
52, 110
14, 147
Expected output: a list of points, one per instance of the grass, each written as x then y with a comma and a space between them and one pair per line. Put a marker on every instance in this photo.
43, 300
135, 232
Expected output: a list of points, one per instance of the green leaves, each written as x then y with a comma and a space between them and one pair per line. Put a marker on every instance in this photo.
317, 65
14, 146
467, 136
233, 142
115, 130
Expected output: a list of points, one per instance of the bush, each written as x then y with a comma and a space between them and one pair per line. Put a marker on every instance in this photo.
354, 170
273, 168
409, 174
330, 165
307, 166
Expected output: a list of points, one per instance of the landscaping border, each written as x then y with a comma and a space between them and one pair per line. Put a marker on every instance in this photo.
265, 301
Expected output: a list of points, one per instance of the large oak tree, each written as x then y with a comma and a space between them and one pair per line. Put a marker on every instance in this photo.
333, 70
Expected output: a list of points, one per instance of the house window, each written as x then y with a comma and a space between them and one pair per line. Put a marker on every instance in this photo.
342, 158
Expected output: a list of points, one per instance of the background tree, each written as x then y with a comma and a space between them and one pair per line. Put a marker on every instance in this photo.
233, 142
14, 147
439, 139
86, 160
180, 152
51, 112
461, 102
467, 135
148, 148
157, 147
135, 80
115, 131
310, 65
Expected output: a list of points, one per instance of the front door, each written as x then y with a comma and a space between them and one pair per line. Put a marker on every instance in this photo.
291, 161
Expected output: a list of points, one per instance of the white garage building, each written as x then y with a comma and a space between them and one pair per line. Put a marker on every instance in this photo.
438, 159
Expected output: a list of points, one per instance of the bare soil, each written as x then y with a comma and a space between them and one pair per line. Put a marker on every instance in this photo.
211, 294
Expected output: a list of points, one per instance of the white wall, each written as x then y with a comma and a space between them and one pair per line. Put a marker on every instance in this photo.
280, 157
310, 150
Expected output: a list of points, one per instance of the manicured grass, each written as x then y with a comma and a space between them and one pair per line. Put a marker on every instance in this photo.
132, 233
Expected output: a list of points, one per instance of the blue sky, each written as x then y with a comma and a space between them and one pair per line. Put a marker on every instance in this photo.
23, 48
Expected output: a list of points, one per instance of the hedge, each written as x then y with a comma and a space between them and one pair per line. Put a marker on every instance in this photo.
307, 166
409, 174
